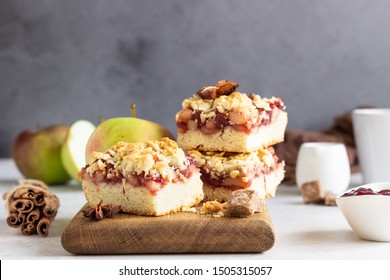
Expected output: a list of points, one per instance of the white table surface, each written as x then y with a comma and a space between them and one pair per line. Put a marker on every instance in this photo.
302, 231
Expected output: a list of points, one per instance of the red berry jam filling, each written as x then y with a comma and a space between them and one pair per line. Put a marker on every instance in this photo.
384, 192
153, 183
366, 191
227, 182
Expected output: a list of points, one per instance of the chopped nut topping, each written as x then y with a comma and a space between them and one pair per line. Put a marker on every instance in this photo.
223, 87
226, 87
208, 92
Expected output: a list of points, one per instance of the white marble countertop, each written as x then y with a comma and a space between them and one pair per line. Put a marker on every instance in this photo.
302, 231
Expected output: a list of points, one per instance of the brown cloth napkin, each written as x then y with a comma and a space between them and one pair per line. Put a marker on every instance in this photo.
340, 132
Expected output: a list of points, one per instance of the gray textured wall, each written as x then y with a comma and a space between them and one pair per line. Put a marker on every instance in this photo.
61, 61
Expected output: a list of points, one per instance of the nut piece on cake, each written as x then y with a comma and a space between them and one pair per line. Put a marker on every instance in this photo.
235, 122
224, 172
223, 87
148, 178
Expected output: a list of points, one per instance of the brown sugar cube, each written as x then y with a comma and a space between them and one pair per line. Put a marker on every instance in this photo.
244, 203
330, 199
312, 192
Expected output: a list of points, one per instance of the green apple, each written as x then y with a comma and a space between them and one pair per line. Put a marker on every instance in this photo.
73, 150
37, 154
130, 129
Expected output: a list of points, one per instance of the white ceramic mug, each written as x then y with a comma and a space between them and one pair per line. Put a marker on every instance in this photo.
326, 162
372, 136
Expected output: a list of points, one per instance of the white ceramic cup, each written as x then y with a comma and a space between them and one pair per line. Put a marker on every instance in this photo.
372, 136
326, 162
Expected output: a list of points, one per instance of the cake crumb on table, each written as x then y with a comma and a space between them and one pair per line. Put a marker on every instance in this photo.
214, 208
330, 199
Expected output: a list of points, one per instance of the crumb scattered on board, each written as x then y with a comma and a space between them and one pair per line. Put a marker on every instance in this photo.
241, 203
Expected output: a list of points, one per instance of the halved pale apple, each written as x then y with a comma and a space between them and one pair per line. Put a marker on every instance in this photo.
73, 150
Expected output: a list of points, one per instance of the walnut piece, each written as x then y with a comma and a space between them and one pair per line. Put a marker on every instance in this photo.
223, 87
226, 87
208, 92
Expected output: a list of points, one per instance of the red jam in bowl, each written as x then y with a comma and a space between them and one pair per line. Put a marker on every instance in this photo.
366, 191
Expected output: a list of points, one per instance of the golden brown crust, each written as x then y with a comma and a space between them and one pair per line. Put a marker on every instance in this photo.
140, 201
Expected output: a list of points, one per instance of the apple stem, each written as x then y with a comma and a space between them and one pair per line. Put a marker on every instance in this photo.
132, 109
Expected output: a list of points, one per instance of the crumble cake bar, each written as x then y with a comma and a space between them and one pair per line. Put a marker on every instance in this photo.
222, 119
225, 172
149, 178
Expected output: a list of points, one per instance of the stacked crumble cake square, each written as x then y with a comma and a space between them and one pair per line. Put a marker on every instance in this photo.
230, 135
150, 178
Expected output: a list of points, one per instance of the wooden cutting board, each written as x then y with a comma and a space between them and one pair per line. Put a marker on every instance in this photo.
181, 232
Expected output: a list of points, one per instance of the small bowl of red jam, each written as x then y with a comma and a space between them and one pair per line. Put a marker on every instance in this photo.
367, 210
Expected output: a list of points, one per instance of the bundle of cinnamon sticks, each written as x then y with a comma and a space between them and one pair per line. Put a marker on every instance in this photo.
32, 207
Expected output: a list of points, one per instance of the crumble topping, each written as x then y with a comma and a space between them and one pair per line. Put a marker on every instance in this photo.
253, 107
234, 164
214, 208
151, 158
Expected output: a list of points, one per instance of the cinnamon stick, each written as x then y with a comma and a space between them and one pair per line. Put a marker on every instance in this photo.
15, 220
50, 208
21, 205
28, 228
32, 207
43, 226
33, 216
